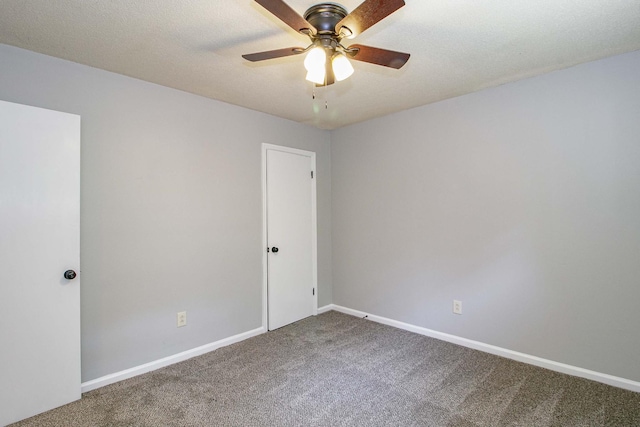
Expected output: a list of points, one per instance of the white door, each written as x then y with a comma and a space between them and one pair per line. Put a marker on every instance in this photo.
39, 241
290, 235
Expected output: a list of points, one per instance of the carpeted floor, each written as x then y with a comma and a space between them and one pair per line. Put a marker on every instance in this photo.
338, 370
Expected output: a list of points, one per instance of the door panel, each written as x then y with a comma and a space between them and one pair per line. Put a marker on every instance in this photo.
290, 228
39, 241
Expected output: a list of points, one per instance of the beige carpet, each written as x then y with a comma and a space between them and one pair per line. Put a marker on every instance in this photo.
337, 370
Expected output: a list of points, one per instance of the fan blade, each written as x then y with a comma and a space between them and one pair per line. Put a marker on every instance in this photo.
287, 15
370, 12
272, 54
374, 55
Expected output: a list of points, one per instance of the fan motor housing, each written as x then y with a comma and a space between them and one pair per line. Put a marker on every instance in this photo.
325, 16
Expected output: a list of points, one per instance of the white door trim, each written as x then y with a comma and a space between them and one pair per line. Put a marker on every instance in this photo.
314, 226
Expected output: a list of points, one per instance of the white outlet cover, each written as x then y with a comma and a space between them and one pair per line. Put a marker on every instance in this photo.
457, 307
182, 318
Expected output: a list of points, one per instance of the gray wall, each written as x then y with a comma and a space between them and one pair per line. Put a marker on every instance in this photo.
171, 208
523, 201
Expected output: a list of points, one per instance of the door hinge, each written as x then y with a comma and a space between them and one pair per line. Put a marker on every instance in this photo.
314, 291
311, 174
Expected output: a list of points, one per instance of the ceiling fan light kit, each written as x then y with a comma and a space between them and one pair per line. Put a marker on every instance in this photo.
315, 63
326, 25
342, 68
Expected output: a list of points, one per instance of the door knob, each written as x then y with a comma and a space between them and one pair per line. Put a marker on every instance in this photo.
274, 249
69, 274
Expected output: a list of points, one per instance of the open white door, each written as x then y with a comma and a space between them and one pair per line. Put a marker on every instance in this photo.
290, 211
39, 241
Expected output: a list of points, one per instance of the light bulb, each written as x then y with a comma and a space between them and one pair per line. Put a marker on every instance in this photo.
316, 76
315, 60
342, 68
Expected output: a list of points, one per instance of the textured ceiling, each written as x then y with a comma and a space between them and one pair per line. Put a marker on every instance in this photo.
456, 46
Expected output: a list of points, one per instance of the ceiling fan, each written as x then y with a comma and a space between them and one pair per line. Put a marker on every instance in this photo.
327, 24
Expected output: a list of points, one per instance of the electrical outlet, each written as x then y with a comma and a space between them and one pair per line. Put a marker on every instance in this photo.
182, 319
457, 307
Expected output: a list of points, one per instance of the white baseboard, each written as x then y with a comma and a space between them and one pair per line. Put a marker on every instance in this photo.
487, 348
498, 351
166, 361
326, 308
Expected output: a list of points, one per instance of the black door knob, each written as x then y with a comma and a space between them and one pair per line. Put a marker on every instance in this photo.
274, 249
69, 274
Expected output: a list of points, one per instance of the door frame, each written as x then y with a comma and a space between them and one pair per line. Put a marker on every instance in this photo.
314, 228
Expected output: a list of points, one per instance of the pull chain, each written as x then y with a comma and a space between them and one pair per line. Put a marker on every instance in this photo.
313, 96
